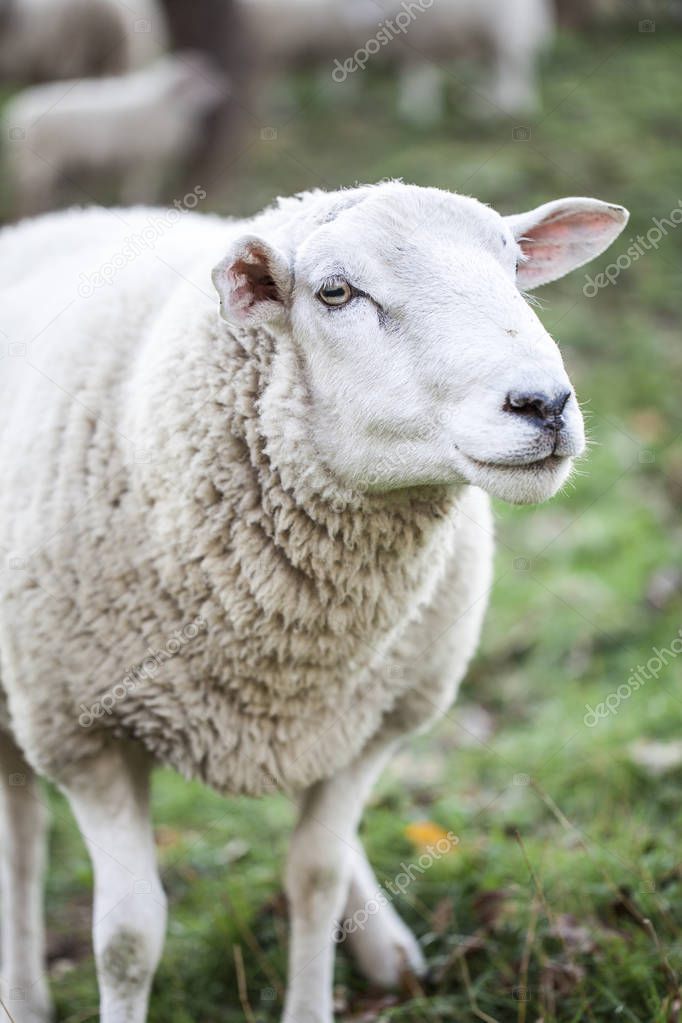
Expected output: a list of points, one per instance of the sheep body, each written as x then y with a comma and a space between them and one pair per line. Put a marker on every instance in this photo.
138, 124
303, 608
41, 40
251, 545
307, 30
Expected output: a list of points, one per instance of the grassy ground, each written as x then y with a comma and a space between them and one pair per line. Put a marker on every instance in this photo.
563, 899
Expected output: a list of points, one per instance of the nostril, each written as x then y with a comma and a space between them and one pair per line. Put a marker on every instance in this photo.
560, 402
537, 404
527, 403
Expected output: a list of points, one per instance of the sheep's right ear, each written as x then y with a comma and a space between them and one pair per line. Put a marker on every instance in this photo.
562, 235
254, 283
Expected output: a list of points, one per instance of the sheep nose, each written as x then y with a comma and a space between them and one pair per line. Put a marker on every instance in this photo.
546, 409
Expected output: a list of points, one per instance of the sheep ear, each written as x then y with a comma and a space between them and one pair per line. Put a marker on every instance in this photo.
559, 236
253, 281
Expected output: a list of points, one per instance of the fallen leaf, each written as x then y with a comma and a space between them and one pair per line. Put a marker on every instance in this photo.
168, 838
656, 757
425, 833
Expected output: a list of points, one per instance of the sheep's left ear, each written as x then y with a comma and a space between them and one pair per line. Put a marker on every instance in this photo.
559, 236
254, 282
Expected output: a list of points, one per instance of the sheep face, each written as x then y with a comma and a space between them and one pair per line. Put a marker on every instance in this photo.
422, 361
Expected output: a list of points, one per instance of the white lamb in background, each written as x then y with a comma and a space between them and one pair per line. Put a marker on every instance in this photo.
287, 500
41, 40
420, 37
136, 126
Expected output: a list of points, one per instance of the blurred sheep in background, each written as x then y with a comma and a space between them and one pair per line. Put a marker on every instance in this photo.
419, 37
147, 118
137, 126
43, 40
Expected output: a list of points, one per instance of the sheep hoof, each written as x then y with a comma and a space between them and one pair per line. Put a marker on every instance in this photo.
389, 960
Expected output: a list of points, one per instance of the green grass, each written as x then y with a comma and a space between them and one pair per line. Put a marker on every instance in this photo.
567, 846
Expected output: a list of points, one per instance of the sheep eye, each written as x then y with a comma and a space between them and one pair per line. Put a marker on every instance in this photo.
335, 293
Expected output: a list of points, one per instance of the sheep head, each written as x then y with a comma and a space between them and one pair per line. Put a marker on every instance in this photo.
423, 362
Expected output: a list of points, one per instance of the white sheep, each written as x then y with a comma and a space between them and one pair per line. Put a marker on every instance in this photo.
135, 125
41, 40
420, 37
256, 547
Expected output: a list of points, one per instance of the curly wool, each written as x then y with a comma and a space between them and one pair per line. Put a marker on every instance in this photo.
158, 470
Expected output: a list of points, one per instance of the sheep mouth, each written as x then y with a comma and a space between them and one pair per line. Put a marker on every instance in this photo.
548, 463
519, 482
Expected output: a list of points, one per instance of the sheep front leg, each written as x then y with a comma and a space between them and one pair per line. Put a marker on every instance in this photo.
110, 800
320, 862
383, 945
421, 93
513, 87
23, 826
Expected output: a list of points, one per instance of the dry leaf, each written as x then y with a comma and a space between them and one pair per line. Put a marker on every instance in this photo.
168, 838
425, 833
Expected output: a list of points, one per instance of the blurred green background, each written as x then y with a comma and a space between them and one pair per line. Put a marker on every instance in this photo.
563, 899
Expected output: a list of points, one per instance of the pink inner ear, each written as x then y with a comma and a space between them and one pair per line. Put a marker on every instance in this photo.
560, 240
252, 282
241, 293
566, 231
